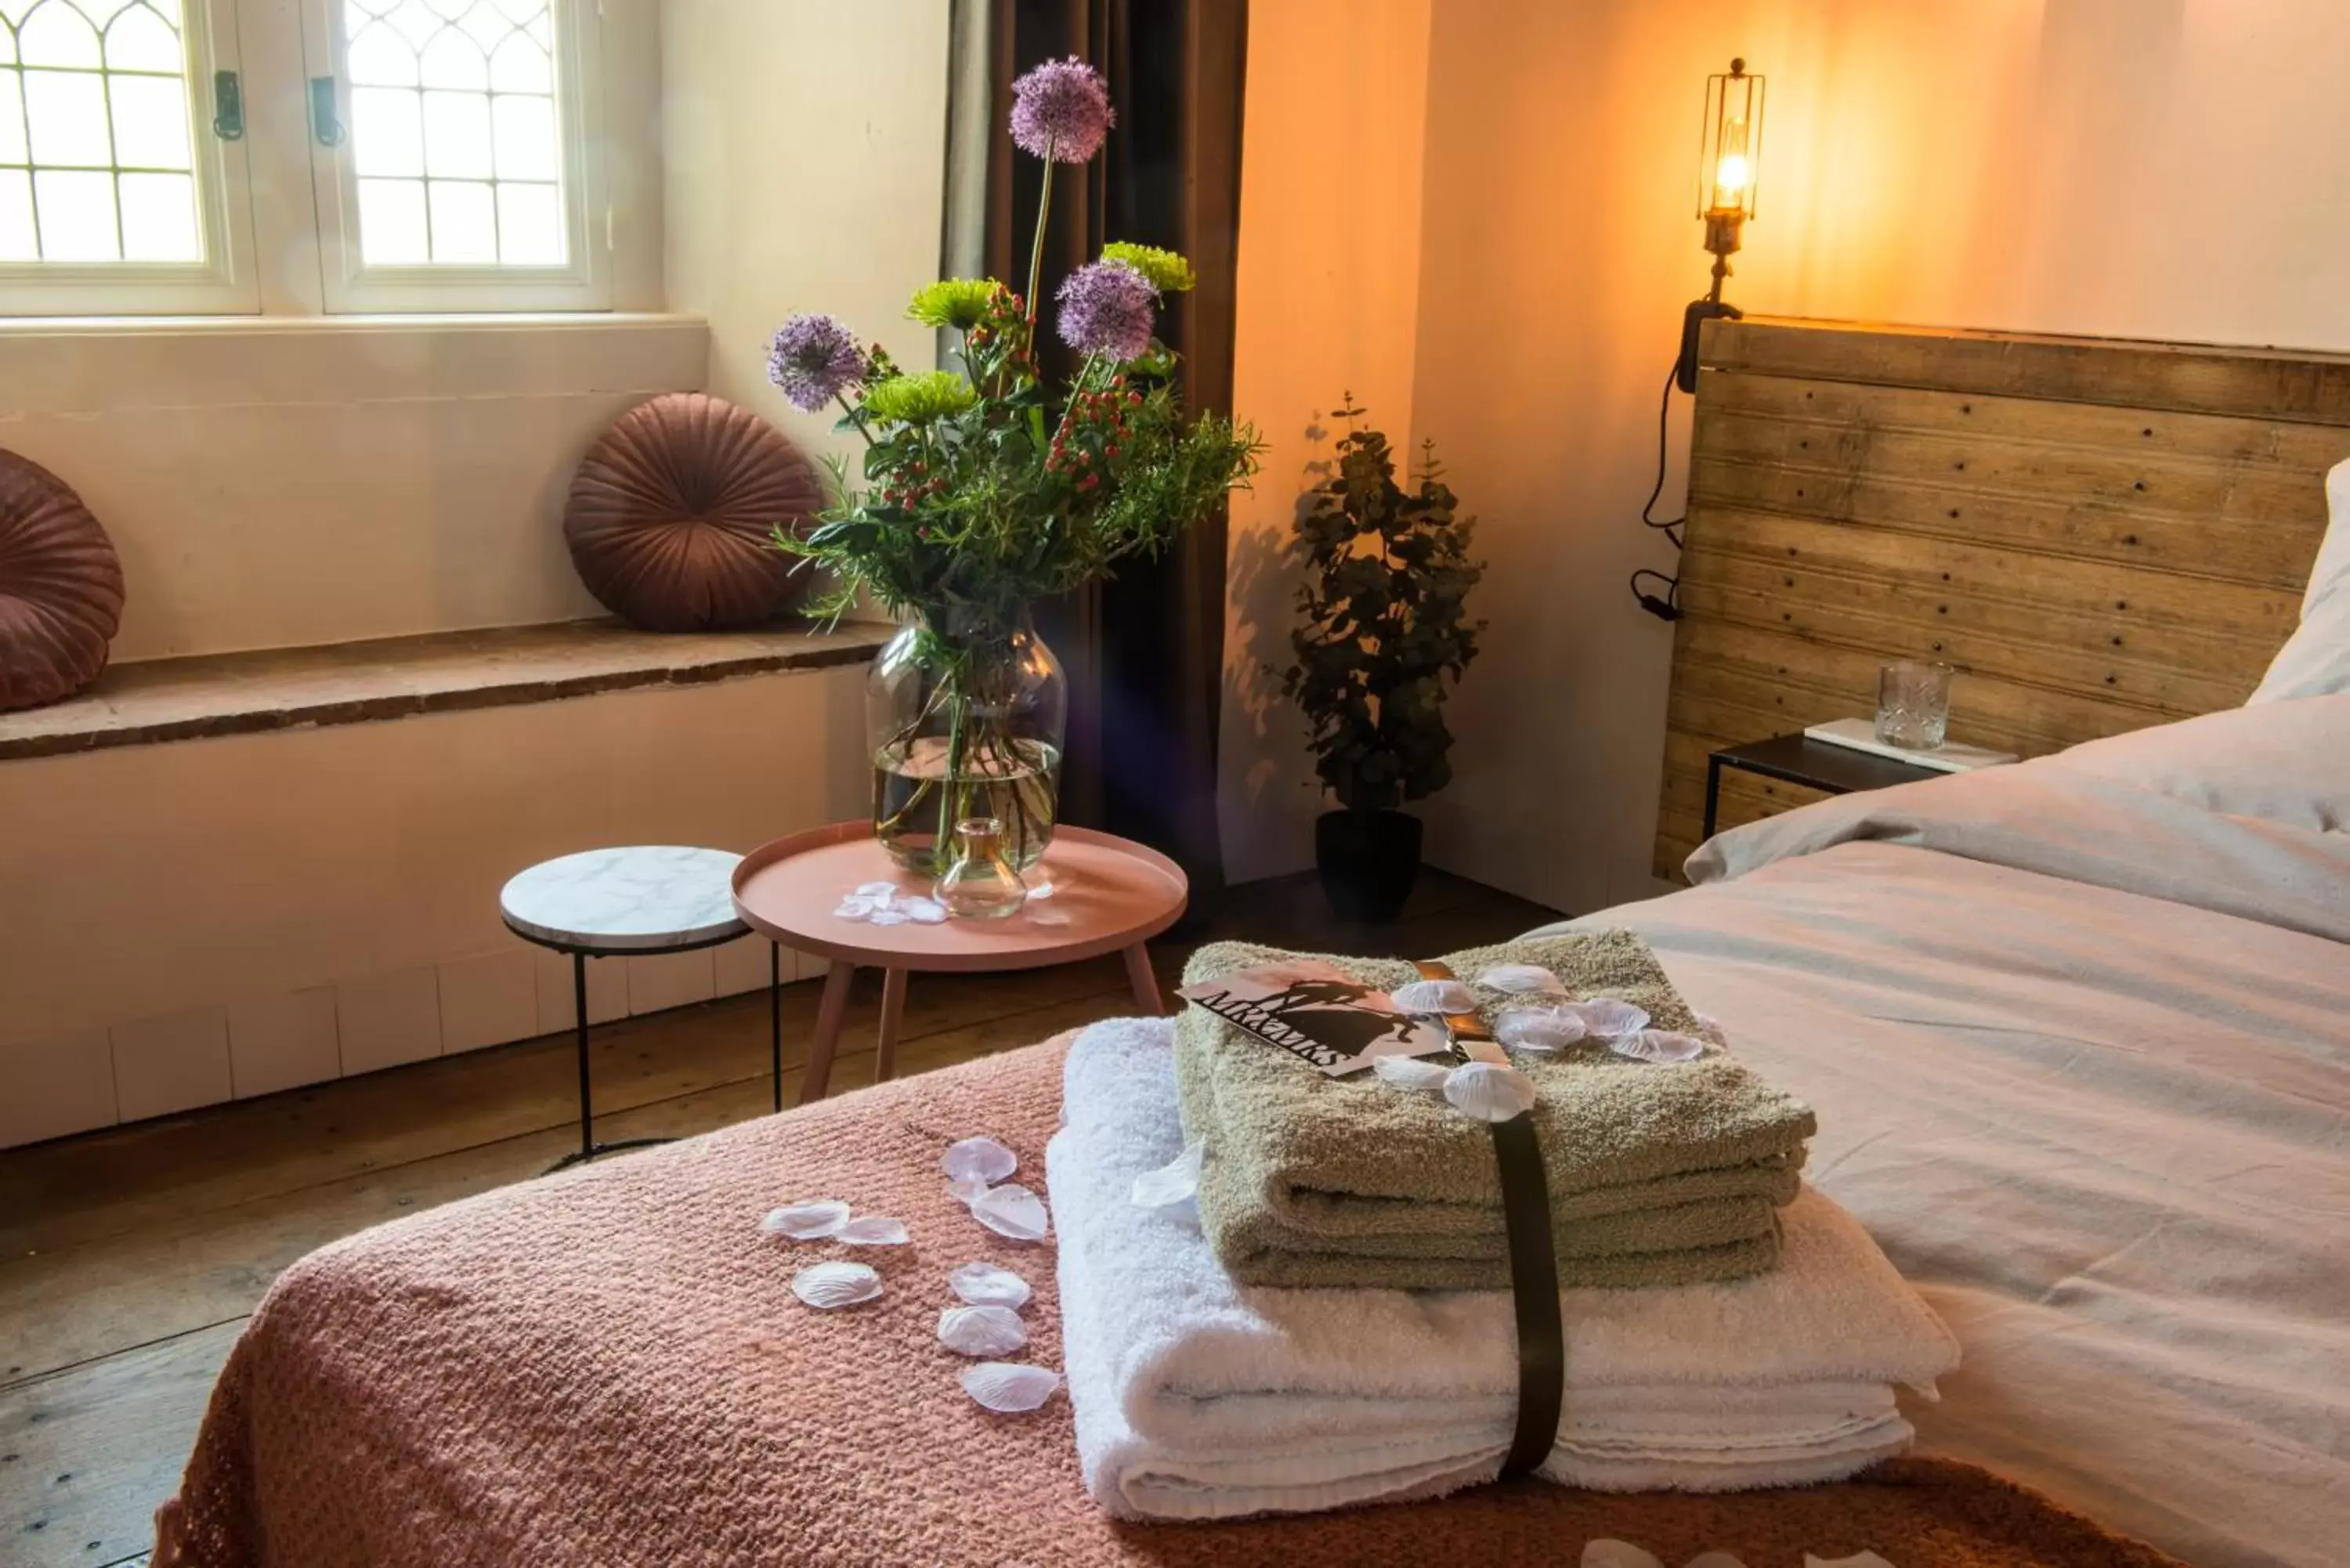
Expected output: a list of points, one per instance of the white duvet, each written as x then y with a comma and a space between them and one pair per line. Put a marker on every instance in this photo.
2078, 1034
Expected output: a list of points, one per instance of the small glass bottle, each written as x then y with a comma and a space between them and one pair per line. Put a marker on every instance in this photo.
980, 885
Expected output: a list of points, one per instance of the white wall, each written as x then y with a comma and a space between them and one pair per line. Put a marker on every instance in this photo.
2166, 168
1328, 297
206, 918
273, 485
806, 150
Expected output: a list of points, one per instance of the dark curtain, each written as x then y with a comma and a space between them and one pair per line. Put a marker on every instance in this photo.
1144, 651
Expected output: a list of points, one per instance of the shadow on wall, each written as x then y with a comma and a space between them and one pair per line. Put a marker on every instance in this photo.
1269, 828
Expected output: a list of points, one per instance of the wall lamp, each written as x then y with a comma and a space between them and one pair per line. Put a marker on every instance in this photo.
1729, 168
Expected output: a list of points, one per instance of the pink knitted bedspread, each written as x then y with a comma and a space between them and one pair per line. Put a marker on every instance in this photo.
607, 1369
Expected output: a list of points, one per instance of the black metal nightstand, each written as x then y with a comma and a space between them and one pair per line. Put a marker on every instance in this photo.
1816, 764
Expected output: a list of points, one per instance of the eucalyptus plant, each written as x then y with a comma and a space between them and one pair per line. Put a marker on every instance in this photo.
1382, 621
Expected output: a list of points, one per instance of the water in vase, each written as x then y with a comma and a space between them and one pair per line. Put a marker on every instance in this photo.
916, 805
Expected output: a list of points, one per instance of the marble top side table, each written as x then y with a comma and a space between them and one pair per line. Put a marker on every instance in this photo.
636, 901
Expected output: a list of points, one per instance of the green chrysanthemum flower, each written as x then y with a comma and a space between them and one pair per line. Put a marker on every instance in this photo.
1168, 272
919, 400
957, 302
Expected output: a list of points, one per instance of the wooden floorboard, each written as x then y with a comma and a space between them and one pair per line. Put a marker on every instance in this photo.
130, 1258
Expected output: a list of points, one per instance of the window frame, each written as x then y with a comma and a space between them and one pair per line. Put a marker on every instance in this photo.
226, 282
583, 283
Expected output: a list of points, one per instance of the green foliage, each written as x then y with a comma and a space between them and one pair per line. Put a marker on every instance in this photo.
1168, 272
1382, 622
959, 303
981, 494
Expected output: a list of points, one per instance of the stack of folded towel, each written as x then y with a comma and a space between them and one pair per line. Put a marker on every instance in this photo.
1659, 1176
1197, 1397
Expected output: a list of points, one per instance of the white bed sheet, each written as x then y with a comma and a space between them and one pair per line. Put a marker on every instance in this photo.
2083, 1067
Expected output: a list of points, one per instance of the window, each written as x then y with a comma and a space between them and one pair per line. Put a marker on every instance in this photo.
446, 144
454, 183
107, 189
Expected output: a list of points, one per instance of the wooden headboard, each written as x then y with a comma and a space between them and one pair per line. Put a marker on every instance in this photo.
2100, 534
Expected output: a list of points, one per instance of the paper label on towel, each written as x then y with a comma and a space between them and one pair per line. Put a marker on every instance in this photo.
1319, 1013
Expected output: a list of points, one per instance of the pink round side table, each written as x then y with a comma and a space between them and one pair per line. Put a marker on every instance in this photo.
1109, 894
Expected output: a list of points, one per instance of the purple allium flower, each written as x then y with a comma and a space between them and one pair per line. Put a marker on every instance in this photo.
1107, 308
812, 359
1061, 110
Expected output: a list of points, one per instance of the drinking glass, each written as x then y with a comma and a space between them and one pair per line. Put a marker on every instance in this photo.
1913, 704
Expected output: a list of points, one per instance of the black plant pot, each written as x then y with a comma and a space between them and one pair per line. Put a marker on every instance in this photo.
1368, 860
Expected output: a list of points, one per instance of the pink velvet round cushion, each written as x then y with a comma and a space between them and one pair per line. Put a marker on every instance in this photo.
673, 514
60, 587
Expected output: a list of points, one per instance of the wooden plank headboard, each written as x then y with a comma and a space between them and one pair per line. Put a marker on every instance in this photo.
2100, 534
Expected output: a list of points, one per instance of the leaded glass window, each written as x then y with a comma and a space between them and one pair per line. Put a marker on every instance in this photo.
456, 135
97, 162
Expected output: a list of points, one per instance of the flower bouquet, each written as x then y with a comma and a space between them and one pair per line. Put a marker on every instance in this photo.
985, 489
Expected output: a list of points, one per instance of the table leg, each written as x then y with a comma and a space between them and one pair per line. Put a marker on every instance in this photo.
1145, 982
1712, 792
829, 1011
776, 1017
893, 1011
579, 999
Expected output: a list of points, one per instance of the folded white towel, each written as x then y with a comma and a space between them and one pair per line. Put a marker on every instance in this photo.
1198, 1398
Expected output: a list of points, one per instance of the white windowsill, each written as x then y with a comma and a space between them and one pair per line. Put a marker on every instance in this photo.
272, 326
72, 366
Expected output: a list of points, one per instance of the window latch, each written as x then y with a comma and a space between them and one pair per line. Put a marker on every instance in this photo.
326, 118
228, 106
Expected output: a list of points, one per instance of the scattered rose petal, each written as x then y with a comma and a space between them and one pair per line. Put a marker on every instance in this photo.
884, 891
888, 917
1412, 1073
1011, 1210
1607, 1017
810, 1221
982, 1157
982, 1330
985, 1284
1521, 979
853, 908
833, 1285
1488, 1091
924, 911
1609, 1553
968, 1191
873, 1231
1658, 1045
1538, 1028
1177, 1181
1041, 890
1008, 1386
1435, 996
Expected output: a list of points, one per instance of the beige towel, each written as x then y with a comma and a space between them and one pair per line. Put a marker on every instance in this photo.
1658, 1173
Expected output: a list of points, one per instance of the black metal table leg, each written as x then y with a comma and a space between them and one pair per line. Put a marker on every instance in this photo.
589, 1147
775, 1016
1712, 792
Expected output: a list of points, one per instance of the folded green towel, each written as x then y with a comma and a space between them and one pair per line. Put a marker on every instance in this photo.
1658, 1173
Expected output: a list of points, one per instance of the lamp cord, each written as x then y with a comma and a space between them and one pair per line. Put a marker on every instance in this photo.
1667, 606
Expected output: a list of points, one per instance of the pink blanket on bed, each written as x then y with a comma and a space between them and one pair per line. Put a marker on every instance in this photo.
608, 1369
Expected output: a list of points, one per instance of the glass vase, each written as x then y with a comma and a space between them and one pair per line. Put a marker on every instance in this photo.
965, 721
980, 885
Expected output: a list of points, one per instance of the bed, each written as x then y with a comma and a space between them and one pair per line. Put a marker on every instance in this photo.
2077, 1033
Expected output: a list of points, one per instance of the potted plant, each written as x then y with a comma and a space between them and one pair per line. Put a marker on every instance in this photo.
1381, 625
986, 487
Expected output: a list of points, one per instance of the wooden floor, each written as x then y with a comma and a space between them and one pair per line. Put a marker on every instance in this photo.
128, 1259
